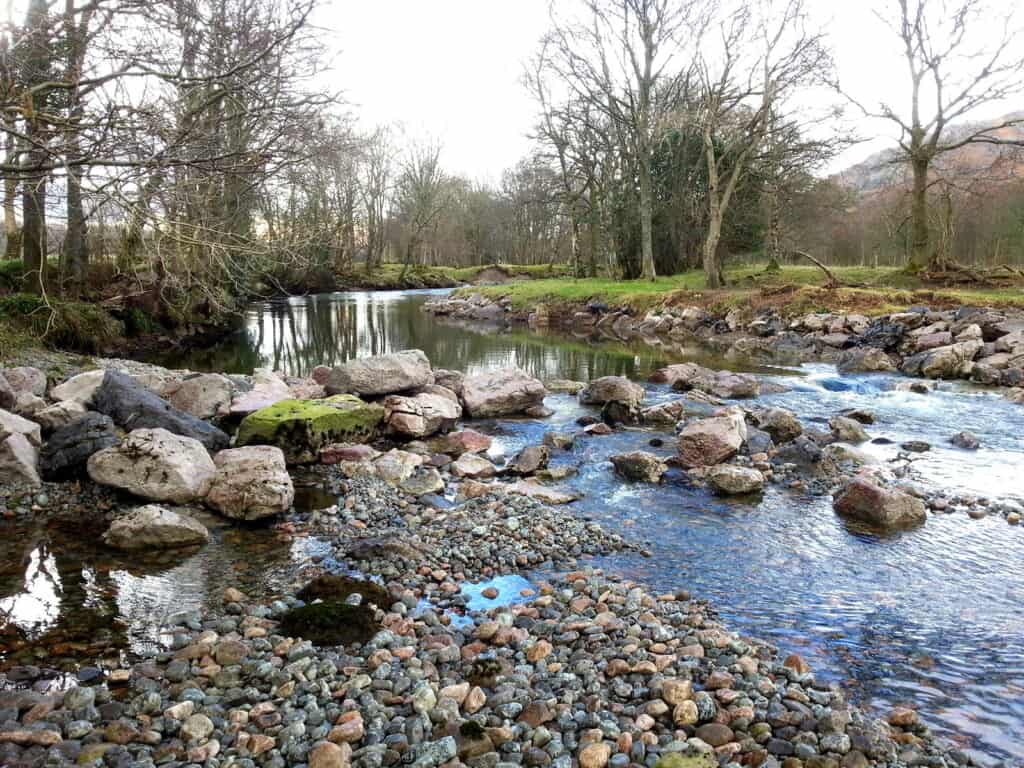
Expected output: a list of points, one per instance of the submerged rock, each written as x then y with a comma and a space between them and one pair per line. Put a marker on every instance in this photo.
155, 464
639, 466
69, 448
302, 427
132, 406
503, 392
781, 424
381, 374
884, 508
530, 460
330, 623
965, 440
251, 483
847, 430
154, 527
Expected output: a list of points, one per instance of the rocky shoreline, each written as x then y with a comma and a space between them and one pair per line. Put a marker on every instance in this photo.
980, 345
579, 668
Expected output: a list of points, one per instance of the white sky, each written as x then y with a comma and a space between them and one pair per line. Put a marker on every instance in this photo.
452, 69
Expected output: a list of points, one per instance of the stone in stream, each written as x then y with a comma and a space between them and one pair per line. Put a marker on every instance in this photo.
949, 362
612, 389
423, 415
69, 447
251, 483
301, 428
885, 508
847, 430
154, 527
639, 466
543, 493
530, 460
864, 360
473, 466
157, 465
382, 374
463, 441
729, 480
422, 481
396, 466
132, 406
686, 376
781, 424
562, 441
965, 440
564, 386
502, 392
916, 446
710, 441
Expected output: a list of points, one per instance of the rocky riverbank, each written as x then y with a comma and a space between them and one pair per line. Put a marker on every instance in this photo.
583, 670
981, 345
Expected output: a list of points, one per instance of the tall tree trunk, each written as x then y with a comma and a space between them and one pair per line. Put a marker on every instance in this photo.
773, 245
33, 236
919, 240
712, 266
646, 219
11, 228
76, 244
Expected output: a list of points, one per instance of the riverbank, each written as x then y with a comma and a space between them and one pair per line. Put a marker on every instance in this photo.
475, 526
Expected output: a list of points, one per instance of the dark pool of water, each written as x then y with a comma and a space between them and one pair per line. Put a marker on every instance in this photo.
930, 618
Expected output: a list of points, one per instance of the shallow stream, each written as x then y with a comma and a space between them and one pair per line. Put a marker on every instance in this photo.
932, 618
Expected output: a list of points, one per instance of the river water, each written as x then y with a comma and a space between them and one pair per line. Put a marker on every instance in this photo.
932, 618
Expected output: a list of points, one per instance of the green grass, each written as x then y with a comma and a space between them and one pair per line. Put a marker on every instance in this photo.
395, 276
69, 325
792, 289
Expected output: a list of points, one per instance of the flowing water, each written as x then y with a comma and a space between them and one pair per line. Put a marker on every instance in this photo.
930, 618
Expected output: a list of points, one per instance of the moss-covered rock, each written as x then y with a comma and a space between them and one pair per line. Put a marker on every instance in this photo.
332, 623
302, 427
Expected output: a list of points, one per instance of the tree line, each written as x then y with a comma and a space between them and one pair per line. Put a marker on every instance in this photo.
189, 147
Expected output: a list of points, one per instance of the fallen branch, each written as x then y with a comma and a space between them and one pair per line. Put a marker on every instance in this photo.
833, 281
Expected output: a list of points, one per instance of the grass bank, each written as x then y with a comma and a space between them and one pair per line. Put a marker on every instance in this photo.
791, 290
396, 277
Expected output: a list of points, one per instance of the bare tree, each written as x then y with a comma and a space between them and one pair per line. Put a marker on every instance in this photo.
764, 53
422, 194
624, 60
376, 170
955, 66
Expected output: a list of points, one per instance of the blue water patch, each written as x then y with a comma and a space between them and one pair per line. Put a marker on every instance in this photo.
509, 592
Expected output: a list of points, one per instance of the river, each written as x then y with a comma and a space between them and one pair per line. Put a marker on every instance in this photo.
931, 618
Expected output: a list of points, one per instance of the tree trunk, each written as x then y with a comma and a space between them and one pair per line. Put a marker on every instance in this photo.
773, 248
712, 267
11, 228
646, 220
919, 245
574, 244
33, 240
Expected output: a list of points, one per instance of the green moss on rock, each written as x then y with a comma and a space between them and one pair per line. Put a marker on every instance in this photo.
331, 623
302, 427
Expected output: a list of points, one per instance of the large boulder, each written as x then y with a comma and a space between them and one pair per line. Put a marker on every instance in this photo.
132, 406
382, 374
25, 379
154, 527
58, 415
472, 466
396, 466
265, 389
301, 428
8, 397
612, 389
19, 461
885, 508
949, 362
530, 460
69, 447
847, 430
685, 376
781, 424
693, 403
463, 441
710, 441
864, 360
155, 464
639, 466
251, 483
204, 395
13, 424
421, 416
730, 480
80, 388
502, 392
452, 380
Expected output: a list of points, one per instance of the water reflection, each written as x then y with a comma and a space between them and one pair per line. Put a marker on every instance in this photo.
295, 335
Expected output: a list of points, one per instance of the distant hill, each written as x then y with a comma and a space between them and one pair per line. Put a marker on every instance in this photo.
985, 163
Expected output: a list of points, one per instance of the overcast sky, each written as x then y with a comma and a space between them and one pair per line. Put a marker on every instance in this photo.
452, 69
